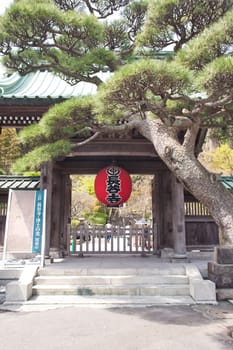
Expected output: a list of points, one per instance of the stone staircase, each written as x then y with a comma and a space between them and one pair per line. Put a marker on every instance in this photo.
93, 283
128, 285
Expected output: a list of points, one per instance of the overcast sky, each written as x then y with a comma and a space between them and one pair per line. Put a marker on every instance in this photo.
4, 4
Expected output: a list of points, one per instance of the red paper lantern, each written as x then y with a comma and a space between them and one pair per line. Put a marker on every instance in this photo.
113, 185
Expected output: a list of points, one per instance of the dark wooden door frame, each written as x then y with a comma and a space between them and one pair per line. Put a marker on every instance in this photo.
136, 156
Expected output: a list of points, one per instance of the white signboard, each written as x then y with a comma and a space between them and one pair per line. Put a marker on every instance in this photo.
25, 224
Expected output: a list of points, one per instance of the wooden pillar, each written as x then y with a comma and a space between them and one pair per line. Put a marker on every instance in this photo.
56, 249
51, 179
168, 212
155, 213
162, 208
46, 183
178, 218
166, 190
65, 216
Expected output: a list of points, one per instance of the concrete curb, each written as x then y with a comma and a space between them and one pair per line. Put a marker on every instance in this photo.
202, 291
21, 290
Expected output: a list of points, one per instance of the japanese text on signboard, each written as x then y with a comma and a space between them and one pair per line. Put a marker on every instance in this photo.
38, 222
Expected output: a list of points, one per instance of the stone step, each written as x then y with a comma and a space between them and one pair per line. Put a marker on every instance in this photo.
111, 280
166, 270
48, 302
135, 290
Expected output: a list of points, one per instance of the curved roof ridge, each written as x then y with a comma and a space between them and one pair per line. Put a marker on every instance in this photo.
28, 81
44, 84
14, 84
227, 181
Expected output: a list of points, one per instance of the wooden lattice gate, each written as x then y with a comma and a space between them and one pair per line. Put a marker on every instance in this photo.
117, 240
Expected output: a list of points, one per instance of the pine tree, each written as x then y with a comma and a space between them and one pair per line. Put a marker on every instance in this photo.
9, 149
168, 102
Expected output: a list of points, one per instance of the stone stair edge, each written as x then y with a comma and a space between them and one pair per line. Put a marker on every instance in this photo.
88, 298
104, 272
47, 286
112, 290
108, 277
43, 302
111, 280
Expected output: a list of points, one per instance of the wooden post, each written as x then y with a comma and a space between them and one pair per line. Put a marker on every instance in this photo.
57, 200
165, 202
178, 218
45, 183
51, 179
65, 216
156, 212
162, 208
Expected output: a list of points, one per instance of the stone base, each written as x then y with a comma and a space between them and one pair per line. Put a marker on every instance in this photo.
180, 256
223, 255
221, 275
202, 291
21, 290
55, 253
167, 253
48, 260
224, 294
184, 260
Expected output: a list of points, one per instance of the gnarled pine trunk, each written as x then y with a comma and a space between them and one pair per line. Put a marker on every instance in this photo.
181, 160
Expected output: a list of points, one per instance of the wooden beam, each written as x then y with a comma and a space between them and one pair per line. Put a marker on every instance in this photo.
84, 166
139, 147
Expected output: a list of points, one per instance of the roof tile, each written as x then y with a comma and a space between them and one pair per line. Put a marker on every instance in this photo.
19, 182
44, 85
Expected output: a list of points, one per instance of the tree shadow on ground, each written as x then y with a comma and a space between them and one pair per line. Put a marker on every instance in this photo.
193, 315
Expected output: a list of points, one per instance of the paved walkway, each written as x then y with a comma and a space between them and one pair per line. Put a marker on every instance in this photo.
125, 261
152, 328
71, 327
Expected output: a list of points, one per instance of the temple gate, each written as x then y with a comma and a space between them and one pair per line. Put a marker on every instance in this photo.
179, 221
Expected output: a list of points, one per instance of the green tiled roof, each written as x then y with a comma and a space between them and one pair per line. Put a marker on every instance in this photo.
227, 181
33, 182
44, 85
19, 182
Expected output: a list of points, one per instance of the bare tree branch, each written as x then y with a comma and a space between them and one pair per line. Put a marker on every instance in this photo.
89, 139
191, 136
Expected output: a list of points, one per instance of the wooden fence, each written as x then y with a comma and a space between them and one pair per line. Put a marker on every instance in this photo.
118, 240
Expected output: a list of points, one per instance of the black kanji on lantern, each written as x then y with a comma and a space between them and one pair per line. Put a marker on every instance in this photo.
113, 185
